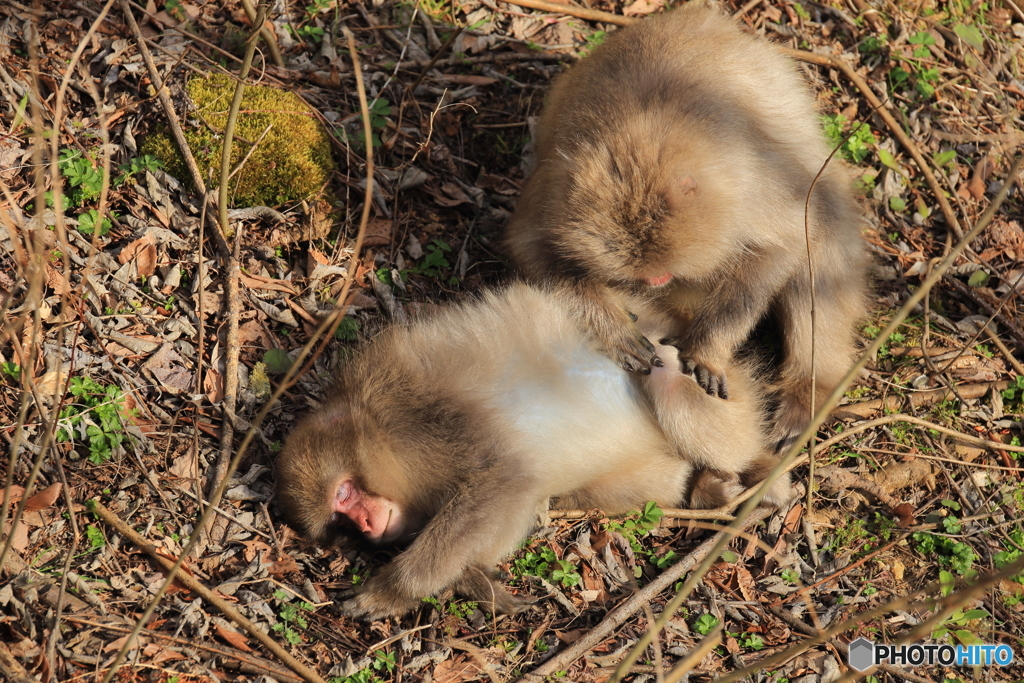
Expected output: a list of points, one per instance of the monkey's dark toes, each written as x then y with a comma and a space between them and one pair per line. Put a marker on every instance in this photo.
657, 362
632, 316
712, 383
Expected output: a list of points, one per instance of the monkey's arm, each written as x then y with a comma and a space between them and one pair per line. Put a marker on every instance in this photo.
479, 525
725, 317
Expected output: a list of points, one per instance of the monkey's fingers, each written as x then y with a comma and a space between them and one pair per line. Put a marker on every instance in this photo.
635, 353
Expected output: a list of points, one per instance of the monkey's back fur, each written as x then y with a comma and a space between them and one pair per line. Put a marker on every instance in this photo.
473, 418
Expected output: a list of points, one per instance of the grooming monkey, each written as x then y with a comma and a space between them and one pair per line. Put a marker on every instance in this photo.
450, 434
673, 165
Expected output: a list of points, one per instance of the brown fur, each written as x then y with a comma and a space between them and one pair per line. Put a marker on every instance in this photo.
684, 147
471, 420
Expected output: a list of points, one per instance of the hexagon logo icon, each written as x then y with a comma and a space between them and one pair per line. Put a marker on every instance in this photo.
862, 654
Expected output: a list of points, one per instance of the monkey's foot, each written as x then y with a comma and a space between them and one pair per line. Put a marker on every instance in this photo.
791, 418
710, 379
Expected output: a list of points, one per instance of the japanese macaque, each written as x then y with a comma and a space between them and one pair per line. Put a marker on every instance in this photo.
673, 164
451, 433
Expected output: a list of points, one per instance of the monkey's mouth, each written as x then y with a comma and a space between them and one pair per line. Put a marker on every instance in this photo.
658, 280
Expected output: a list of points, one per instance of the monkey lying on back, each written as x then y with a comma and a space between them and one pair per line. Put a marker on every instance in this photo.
673, 164
452, 432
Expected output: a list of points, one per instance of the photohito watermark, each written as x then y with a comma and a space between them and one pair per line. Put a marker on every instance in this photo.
864, 654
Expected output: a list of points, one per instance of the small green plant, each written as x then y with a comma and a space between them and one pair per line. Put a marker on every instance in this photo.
1015, 392
85, 179
545, 564
98, 409
665, 560
379, 108
946, 158
750, 641
1011, 553
954, 627
12, 370
385, 661
89, 222
317, 7
315, 34
638, 523
362, 676
277, 361
292, 619
849, 536
95, 537
348, 330
950, 553
922, 77
175, 9
565, 573
858, 146
595, 39
871, 45
434, 260
705, 624
147, 162
635, 526
790, 576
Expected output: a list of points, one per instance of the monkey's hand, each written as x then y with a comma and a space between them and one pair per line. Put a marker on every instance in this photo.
373, 606
380, 598
477, 585
628, 347
708, 376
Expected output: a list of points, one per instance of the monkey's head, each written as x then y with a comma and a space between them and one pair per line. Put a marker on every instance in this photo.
323, 482
642, 211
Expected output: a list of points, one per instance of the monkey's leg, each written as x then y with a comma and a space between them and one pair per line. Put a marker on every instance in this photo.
839, 304
725, 440
482, 522
659, 476
725, 317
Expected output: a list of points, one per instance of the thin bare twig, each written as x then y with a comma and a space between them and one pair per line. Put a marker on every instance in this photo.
625, 610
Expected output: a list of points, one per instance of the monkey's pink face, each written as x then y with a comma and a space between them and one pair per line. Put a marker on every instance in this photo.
378, 518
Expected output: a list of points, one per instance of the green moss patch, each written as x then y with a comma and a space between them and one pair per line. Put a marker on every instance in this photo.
292, 162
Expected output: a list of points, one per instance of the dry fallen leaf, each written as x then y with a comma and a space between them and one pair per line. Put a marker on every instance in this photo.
143, 250
233, 638
44, 498
456, 670
16, 493
378, 232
